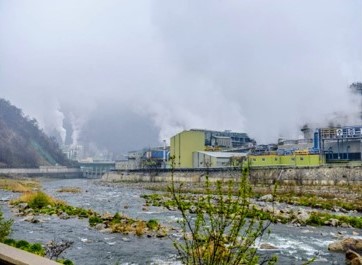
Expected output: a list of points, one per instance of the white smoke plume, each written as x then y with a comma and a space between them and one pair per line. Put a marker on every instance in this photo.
129, 70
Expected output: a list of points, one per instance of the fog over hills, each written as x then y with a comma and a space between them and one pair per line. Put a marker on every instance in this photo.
22, 144
128, 74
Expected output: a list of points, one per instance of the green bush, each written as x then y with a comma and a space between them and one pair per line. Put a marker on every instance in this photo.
93, 220
40, 200
22, 244
10, 242
153, 224
37, 249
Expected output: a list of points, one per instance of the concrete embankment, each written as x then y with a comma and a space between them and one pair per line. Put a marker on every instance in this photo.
323, 175
62, 172
14, 256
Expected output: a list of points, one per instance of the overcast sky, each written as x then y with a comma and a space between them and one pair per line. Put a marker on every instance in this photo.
128, 74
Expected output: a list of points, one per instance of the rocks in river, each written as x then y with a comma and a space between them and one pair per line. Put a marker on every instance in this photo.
193, 209
267, 246
302, 216
332, 222
31, 219
107, 216
161, 233
266, 198
100, 226
346, 244
4, 199
64, 216
22, 206
353, 258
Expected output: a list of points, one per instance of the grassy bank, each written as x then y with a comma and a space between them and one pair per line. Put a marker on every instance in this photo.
18, 185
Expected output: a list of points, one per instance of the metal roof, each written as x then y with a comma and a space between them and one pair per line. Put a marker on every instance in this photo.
222, 154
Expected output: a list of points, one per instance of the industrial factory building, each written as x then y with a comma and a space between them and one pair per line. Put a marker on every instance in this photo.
185, 145
339, 144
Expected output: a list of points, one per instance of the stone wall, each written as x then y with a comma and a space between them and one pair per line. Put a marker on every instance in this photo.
317, 175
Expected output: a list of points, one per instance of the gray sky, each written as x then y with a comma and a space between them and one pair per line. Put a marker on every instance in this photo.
128, 74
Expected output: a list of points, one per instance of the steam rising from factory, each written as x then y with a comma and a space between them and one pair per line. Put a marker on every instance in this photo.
129, 74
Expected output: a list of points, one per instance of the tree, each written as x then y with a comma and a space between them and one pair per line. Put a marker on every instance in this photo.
223, 229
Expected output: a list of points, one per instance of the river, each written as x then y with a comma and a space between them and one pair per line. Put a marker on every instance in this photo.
296, 244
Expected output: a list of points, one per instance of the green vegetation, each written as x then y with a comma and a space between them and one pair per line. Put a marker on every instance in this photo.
41, 203
34, 248
37, 200
5, 227
93, 220
220, 231
153, 224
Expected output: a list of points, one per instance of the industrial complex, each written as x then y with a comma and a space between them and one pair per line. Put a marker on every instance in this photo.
198, 148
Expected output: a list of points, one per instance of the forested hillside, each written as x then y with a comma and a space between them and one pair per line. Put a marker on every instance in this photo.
23, 144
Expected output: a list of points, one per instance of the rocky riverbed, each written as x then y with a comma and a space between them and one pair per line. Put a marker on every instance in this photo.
292, 243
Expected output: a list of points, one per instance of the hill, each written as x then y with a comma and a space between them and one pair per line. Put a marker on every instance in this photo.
23, 144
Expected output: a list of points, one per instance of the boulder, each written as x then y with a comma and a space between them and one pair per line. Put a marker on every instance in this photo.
100, 226
161, 233
107, 216
28, 211
64, 216
267, 246
303, 216
22, 206
346, 244
266, 198
353, 258
332, 222
28, 218
193, 209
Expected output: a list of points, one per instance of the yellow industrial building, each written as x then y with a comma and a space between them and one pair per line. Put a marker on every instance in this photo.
182, 146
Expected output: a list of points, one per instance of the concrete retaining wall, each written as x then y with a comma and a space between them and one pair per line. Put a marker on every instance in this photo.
42, 171
14, 256
323, 175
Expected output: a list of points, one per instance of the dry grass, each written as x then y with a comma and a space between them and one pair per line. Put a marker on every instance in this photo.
139, 227
70, 189
37, 199
19, 185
